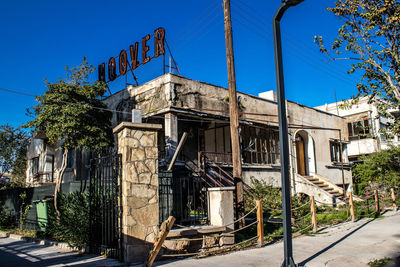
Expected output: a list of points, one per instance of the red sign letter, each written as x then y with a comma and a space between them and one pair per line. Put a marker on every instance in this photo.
134, 56
159, 37
145, 49
122, 62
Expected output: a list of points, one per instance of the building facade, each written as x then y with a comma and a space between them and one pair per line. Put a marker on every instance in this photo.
318, 139
367, 127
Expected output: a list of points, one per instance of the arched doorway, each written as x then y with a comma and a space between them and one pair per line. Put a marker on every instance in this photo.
305, 153
301, 155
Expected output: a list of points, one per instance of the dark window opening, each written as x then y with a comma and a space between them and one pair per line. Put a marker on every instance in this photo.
359, 129
35, 165
336, 156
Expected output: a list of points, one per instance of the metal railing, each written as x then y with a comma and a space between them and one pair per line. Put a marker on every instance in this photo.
249, 157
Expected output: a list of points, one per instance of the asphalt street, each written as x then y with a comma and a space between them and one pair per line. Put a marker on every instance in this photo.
348, 244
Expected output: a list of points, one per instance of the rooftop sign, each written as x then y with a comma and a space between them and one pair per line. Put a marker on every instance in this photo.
126, 64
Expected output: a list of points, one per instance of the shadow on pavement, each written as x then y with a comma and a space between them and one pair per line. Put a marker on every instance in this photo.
333, 244
21, 253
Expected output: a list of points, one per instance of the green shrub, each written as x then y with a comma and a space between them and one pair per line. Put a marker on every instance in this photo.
73, 224
8, 220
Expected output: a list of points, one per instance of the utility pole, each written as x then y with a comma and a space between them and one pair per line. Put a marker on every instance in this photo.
233, 112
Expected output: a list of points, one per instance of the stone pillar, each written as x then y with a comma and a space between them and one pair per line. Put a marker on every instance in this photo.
137, 142
220, 209
171, 135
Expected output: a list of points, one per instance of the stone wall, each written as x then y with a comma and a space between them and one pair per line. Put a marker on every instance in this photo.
137, 142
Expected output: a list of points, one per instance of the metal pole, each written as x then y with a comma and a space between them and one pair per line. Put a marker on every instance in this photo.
283, 133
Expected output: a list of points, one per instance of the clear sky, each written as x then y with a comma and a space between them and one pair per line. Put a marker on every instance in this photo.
39, 38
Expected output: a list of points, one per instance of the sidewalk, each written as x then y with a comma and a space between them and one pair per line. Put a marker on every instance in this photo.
348, 244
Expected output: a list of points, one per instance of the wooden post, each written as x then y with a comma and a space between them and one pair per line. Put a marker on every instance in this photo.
160, 241
393, 199
233, 112
260, 225
353, 217
313, 214
376, 201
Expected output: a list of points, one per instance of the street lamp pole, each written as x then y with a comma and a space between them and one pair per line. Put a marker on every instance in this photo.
283, 133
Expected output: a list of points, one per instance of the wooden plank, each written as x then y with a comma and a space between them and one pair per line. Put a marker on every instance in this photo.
178, 149
157, 246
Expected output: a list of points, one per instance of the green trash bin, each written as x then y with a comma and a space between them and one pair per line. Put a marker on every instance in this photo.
41, 211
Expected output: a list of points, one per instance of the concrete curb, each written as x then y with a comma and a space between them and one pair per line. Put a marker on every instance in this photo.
45, 242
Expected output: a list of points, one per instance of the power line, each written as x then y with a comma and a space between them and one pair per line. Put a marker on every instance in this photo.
267, 30
309, 61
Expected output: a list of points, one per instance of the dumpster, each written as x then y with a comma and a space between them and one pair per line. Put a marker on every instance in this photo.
41, 211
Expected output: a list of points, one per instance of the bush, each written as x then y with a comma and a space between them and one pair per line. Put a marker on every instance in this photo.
7, 219
73, 224
381, 168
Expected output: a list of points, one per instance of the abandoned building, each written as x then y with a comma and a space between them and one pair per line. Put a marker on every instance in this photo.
151, 122
318, 140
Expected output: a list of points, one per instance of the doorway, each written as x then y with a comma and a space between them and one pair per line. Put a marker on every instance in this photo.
301, 156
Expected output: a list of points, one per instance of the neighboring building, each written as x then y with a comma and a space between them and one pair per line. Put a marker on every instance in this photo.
202, 110
43, 159
365, 125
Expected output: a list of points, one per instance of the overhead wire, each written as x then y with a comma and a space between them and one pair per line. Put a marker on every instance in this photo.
261, 18
262, 32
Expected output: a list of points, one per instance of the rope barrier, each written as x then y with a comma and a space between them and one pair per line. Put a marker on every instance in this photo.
302, 230
209, 252
241, 217
302, 217
307, 203
244, 227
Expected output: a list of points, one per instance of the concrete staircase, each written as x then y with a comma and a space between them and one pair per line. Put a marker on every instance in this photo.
324, 191
327, 186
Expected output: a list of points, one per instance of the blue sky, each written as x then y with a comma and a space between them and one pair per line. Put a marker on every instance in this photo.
39, 38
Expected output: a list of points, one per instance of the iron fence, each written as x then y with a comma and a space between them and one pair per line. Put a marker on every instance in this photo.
182, 196
105, 206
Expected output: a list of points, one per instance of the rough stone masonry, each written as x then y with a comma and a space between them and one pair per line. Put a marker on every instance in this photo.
137, 142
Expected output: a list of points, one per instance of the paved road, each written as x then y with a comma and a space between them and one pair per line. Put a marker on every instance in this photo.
15, 252
349, 244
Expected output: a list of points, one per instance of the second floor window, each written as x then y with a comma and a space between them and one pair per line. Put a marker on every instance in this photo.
35, 165
359, 129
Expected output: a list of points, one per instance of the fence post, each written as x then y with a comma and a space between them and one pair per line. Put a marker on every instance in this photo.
260, 225
313, 214
353, 217
376, 201
393, 199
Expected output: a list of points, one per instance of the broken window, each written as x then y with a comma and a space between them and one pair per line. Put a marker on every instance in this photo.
359, 129
260, 145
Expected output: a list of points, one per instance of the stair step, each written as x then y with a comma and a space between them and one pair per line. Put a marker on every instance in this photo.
318, 183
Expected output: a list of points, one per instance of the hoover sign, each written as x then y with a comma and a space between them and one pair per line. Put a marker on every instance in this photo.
126, 64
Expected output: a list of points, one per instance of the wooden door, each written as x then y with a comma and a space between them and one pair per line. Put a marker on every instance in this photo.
300, 156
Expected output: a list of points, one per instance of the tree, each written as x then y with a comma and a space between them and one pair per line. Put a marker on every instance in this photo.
72, 116
13, 145
381, 167
370, 37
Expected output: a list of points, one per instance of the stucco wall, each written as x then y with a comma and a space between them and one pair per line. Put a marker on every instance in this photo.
171, 93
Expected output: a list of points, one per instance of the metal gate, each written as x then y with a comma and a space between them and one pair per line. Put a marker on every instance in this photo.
105, 206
